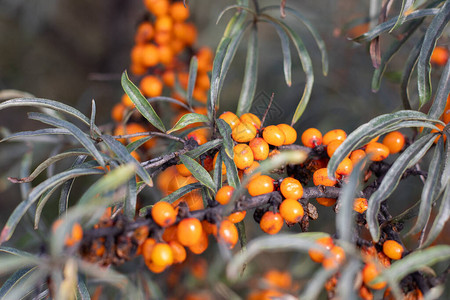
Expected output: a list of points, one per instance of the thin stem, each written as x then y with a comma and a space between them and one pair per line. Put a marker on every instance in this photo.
151, 133
267, 110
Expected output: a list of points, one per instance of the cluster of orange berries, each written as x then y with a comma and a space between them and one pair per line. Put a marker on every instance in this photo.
273, 284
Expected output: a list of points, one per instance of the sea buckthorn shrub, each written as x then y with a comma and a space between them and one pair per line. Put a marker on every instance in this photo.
186, 194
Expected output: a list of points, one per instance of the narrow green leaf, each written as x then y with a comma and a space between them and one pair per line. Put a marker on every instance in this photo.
27, 285
122, 154
67, 186
18, 253
192, 78
83, 290
406, 4
407, 73
316, 283
443, 90
198, 172
408, 158
225, 132
14, 279
217, 172
92, 121
232, 173
129, 206
138, 143
242, 235
442, 217
74, 130
431, 187
41, 203
188, 119
346, 286
194, 153
433, 32
142, 105
28, 135
250, 74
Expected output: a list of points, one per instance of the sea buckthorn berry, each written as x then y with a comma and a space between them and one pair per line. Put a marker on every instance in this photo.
178, 181
332, 146
209, 228
273, 135
151, 86
395, 141
345, 167
243, 156
289, 132
259, 185
224, 168
311, 138
179, 12
230, 118
252, 168
370, 272
326, 201
291, 211
377, 151
199, 135
157, 7
130, 128
183, 170
203, 81
154, 268
335, 134
227, 233
274, 153
441, 127
320, 177
291, 188
366, 294
205, 58
189, 231
118, 111
446, 116
74, 236
201, 245
375, 139
271, 222
393, 249
149, 55
170, 233
278, 279
260, 148
251, 119
318, 256
439, 56
127, 101
243, 132
162, 255
334, 259
178, 251
165, 54
144, 33
147, 248
164, 214
237, 217
360, 205
190, 34
357, 155
224, 194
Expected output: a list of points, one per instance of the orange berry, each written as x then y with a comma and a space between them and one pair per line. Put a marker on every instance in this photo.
178, 251
259, 185
441, 127
164, 214
439, 56
278, 279
163, 37
393, 249
446, 116
318, 256
320, 177
273, 135
291, 211
151, 86
183, 170
162, 255
117, 112
178, 181
163, 23
243, 156
168, 78
291, 188
311, 138
179, 12
377, 151
189, 231
137, 69
395, 141
335, 258
243, 132
157, 7
230, 118
203, 81
135, 155
199, 135
147, 248
252, 168
289, 132
190, 34
137, 55
224, 168
201, 245
224, 194
127, 101
75, 235
252, 119
370, 272
193, 199
274, 153
150, 57
357, 155
335, 134
205, 57
170, 233
345, 167
326, 201
164, 178
237, 216
360, 205
200, 95
332, 146
165, 54
271, 222
260, 148
227, 233
130, 128
144, 33
209, 228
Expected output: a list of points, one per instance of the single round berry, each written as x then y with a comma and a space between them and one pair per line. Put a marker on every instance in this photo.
345, 167
252, 168
334, 259
291, 188
151, 86
243, 156
360, 205
273, 135
227, 233
237, 216
243, 132
311, 138
251, 119
326, 201
260, 148
289, 132
357, 155
164, 214
317, 255
393, 249
278, 279
377, 151
224, 194
183, 170
189, 231
162, 255
178, 251
395, 141
271, 222
230, 118
335, 134
320, 177
179, 12
259, 185
439, 56
201, 245
369, 273
332, 146
291, 211
147, 248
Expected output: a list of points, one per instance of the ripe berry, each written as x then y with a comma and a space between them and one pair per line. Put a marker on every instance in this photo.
446, 116
439, 56
147, 248
311, 138
251, 119
334, 259
335, 134
164, 214
230, 118
370, 272
332, 146
201, 245
357, 155
179, 12
360, 205
243, 132
260, 148
224, 194
273, 135
291, 211
189, 231
393, 249
178, 251
259, 185
271, 222
395, 141
243, 156
162, 255
183, 170
117, 112
151, 86
320, 177
237, 217
345, 167
326, 201
74, 236
289, 132
377, 151
224, 168
318, 256
150, 58
291, 188
227, 233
